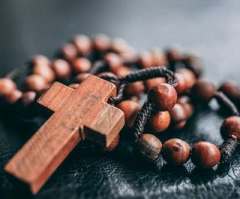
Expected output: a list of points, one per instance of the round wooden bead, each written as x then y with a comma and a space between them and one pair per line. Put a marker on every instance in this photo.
83, 44
69, 52
28, 98
189, 77
13, 97
149, 146
81, 77
40, 60
101, 42
160, 121
164, 96
185, 102
113, 145
204, 90
231, 127
194, 62
145, 60
205, 154
178, 113
119, 45
181, 83
113, 61
232, 90
130, 109
45, 71
6, 86
173, 55
158, 57
151, 83
81, 65
176, 151
36, 83
135, 88
61, 68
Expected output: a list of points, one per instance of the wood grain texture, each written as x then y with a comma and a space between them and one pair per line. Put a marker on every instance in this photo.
49, 146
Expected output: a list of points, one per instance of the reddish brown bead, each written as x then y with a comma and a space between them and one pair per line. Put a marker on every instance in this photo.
119, 45
13, 97
180, 125
151, 83
189, 77
232, 90
40, 60
164, 96
185, 102
101, 42
113, 61
158, 57
113, 145
204, 90
130, 109
176, 151
135, 88
205, 155
178, 113
45, 71
181, 83
36, 83
6, 86
231, 127
145, 60
69, 52
160, 121
149, 146
61, 68
81, 77
81, 65
28, 98
83, 44
173, 54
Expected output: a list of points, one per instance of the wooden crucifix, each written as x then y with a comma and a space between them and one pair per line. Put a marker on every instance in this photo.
78, 114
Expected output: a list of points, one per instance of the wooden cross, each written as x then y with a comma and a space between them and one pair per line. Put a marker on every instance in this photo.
78, 114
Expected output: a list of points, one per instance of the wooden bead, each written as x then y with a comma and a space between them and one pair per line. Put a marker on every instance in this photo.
176, 151
74, 86
158, 57
205, 155
231, 127
160, 121
45, 71
135, 88
83, 44
232, 90
180, 125
204, 90
130, 109
185, 102
149, 146
113, 61
189, 77
113, 145
164, 96
173, 55
151, 83
61, 68
13, 97
6, 86
36, 83
81, 77
194, 62
181, 83
101, 42
28, 98
145, 60
69, 52
81, 65
178, 113
119, 45
40, 60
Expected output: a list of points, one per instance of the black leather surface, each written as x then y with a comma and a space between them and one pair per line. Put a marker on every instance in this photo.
209, 28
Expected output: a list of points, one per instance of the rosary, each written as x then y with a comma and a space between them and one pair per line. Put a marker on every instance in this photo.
94, 87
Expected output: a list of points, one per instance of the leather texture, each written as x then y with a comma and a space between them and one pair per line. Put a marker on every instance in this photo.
209, 28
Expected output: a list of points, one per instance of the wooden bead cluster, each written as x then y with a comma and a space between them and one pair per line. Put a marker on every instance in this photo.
171, 101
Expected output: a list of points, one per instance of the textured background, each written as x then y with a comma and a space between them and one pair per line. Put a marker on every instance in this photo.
209, 28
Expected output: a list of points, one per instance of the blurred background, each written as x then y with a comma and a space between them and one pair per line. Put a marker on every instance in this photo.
211, 29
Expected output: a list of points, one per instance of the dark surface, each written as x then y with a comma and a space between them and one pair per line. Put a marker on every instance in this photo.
209, 28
